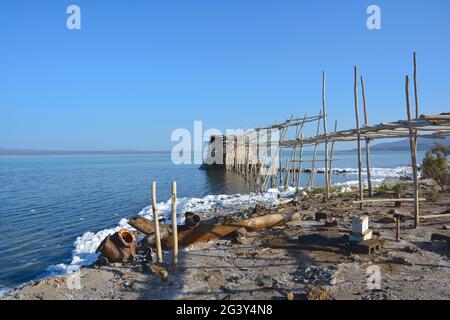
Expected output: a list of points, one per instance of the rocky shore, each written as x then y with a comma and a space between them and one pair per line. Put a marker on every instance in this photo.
266, 264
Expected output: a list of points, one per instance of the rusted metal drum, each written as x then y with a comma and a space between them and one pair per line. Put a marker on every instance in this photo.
119, 247
109, 250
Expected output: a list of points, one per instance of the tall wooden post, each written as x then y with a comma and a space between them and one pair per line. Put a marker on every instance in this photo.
299, 174
294, 153
156, 222
174, 225
413, 145
324, 110
332, 155
235, 153
416, 90
361, 195
313, 166
366, 123
280, 159
258, 161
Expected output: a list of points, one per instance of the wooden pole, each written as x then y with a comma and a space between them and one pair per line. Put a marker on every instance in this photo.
235, 153
294, 153
286, 175
267, 171
299, 174
280, 159
156, 222
294, 167
324, 110
416, 90
258, 161
413, 145
360, 185
174, 225
366, 123
397, 236
246, 157
313, 166
331, 155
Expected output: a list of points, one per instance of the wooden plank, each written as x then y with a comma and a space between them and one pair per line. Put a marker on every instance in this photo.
435, 216
387, 200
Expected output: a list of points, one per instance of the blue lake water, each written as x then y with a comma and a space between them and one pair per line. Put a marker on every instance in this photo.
46, 202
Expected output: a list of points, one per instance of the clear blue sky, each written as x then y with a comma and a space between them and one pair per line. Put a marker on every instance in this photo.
139, 69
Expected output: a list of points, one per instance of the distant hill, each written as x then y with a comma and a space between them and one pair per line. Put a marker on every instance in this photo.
403, 145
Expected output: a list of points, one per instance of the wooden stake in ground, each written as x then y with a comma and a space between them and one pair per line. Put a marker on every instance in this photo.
332, 155
324, 110
416, 90
299, 174
366, 123
313, 166
156, 222
397, 234
174, 225
413, 145
360, 185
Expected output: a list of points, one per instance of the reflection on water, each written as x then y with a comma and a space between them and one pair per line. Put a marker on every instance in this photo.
220, 182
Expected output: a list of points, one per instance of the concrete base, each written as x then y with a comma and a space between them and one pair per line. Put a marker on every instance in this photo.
361, 237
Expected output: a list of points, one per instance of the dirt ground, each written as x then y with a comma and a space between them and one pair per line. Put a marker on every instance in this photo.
244, 266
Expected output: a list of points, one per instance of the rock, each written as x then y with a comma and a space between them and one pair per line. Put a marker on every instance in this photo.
158, 270
317, 276
402, 260
164, 275
321, 216
331, 223
333, 281
314, 292
386, 220
265, 281
411, 249
148, 255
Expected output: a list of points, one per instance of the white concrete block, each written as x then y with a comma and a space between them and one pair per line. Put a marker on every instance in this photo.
360, 225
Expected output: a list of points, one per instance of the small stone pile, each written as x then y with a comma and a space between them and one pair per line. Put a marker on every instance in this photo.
316, 275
